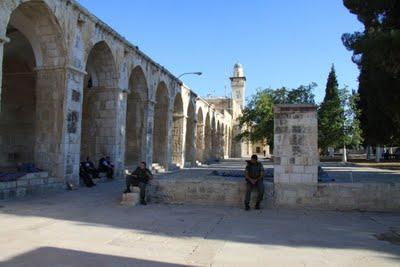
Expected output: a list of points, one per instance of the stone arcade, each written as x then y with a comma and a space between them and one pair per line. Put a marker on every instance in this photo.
72, 87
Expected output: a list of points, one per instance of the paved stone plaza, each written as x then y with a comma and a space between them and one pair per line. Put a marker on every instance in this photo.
89, 227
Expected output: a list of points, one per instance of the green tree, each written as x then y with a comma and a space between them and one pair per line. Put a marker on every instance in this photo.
376, 52
353, 127
257, 119
331, 115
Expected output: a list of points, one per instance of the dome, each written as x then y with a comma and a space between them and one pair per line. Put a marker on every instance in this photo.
238, 70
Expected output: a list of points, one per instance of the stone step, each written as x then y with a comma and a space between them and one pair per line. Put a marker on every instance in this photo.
131, 199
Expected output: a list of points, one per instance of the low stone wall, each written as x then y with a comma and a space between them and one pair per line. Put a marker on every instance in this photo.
217, 191
31, 183
330, 196
340, 196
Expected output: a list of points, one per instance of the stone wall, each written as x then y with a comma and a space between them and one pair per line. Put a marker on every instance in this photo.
31, 183
339, 196
331, 196
296, 155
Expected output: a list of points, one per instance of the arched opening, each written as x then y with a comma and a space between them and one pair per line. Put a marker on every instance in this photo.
160, 133
31, 93
177, 131
189, 140
99, 104
200, 136
136, 118
207, 139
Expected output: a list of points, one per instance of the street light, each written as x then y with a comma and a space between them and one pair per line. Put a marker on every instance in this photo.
194, 73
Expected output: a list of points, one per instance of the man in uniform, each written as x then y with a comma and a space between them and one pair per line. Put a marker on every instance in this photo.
254, 174
140, 177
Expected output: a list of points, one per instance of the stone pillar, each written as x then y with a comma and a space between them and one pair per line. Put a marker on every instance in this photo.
200, 135
50, 117
177, 139
3, 40
120, 107
71, 141
295, 144
193, 144
149, 133
183, 140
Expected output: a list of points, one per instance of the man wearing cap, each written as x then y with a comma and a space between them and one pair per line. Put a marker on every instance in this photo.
254, 174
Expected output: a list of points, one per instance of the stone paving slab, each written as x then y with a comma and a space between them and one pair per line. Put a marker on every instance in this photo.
88, 227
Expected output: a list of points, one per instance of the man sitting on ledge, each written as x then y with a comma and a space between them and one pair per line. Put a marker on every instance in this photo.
106, 166
140, 177
254, 174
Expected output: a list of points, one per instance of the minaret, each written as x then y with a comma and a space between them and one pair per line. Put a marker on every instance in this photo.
238, 83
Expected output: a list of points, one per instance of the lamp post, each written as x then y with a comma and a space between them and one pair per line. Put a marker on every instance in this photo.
194, 73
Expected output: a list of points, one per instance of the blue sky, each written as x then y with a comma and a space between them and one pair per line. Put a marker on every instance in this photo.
279, 42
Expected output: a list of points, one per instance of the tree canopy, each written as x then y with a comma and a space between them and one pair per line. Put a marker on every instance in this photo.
376, 52
258, 116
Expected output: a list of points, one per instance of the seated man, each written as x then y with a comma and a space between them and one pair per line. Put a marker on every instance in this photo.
106, 166
85, 176
254, 174
140, 177
90, 168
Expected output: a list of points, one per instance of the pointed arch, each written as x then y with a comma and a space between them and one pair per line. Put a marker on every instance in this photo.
99, 113
136, 118
160, 130
190, 134
31, 122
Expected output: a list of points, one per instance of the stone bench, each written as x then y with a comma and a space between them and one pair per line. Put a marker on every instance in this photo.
131, 199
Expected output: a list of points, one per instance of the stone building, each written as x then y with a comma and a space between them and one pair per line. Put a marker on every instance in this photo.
234, 106
72, 87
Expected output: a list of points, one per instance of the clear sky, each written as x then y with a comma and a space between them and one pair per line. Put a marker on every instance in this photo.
279, 42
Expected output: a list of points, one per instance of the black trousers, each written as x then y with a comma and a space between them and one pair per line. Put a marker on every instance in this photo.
87, 180
108, 170
259, 185
133, 181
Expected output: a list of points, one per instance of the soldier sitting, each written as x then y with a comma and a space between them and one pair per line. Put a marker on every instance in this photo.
90, 168
140, 177
106, 166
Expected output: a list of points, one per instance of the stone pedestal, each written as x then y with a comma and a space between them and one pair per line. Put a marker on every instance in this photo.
295, 144
131, 199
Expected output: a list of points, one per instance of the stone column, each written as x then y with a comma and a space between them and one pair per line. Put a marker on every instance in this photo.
295, 144
120, 107
177, 139
3, 40
149, 133
50, 117
71, 140
183, 140
193, 144
200, 142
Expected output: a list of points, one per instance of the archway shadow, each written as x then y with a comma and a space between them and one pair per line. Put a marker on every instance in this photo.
99, 207
51, 256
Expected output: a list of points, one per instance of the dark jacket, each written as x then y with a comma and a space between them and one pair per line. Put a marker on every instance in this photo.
255, 170
142, 175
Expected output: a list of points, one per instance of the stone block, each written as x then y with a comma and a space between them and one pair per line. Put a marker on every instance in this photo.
8, 185
130, 199
22, 183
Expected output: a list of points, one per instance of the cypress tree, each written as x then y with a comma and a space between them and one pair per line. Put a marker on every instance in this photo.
331, 117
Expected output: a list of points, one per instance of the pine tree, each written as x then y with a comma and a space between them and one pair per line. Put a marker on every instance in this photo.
376, 52
331, 116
